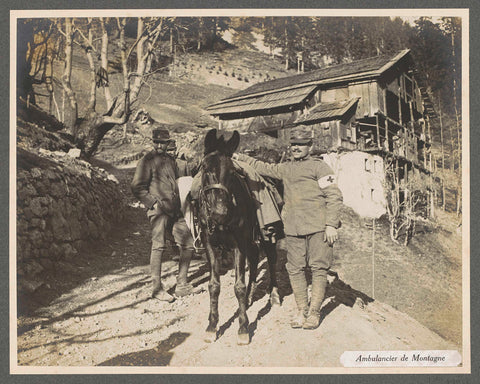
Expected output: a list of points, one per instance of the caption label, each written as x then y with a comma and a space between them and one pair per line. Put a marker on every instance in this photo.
445, 358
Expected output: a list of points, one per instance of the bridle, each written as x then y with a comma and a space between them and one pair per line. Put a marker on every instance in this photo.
213, 186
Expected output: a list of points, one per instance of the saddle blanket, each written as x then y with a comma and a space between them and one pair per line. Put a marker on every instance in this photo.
184, 184
268, 210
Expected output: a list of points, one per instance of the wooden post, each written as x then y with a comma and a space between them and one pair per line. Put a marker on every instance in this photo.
441, 137
400, 117
373, 259
429, 137
386, 115
378, 132
424, 135
415, 154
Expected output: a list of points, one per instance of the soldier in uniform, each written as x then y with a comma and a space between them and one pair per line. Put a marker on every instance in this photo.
154, 184
311, 219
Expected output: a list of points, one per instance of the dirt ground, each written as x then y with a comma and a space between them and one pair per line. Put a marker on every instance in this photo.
98, 312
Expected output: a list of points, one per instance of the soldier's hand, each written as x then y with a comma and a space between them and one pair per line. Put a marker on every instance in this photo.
331, 235
235, 156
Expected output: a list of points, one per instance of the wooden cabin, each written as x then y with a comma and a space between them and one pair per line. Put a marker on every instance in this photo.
374, 104
373, 109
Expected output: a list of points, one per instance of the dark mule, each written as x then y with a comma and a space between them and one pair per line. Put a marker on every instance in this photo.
227, 216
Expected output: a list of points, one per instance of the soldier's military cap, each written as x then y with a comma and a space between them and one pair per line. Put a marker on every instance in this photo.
160, 135
301, 135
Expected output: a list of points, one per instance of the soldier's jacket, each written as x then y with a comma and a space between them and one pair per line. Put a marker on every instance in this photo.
155, 181
312, 198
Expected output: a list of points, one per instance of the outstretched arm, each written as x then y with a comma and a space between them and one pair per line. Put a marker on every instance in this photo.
264, 169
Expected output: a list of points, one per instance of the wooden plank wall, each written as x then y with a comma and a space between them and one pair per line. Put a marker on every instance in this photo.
369, 102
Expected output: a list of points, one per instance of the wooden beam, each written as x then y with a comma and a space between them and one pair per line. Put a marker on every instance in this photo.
386, 120
378, 133
386, 135
396, 123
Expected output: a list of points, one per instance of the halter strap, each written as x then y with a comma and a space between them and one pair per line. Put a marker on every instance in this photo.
215, 186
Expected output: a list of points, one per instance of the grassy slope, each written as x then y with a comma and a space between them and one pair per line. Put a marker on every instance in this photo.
422, 279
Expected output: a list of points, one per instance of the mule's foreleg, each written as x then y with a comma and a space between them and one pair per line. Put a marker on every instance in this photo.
214, 290
271, 252
253, 258
241, 294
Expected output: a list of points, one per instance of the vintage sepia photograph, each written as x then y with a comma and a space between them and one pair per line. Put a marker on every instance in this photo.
215, 191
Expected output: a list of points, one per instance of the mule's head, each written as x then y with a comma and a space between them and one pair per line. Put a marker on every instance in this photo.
217, 176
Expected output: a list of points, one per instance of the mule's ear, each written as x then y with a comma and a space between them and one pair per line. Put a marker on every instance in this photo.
231, 144
210, 141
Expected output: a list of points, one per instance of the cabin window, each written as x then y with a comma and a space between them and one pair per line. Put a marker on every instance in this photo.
353, 132
368, 166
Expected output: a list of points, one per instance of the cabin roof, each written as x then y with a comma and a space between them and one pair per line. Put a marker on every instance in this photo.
366, 68
264, 101
327, 111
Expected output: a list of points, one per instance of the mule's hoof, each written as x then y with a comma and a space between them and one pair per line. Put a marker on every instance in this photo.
243, 339
274, 298
210, 337
184, 290
163, 295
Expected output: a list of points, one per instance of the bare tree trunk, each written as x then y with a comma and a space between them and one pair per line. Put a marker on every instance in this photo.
123, 55
49, 80
457, 122
72, 115
443, 155
104, 58
145, 46
200, 34
93, 89
140, 59
214, 33
286, 48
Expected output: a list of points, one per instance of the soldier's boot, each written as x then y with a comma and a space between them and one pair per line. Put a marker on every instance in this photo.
184, 288
158, 292
319, 284
299, 288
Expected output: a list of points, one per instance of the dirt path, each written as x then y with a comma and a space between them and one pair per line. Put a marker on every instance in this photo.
111, 321
105, 316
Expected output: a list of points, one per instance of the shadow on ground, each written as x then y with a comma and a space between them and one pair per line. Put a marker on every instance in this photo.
161, 355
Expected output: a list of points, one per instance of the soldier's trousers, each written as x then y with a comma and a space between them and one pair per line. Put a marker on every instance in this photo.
162, 223
313, 251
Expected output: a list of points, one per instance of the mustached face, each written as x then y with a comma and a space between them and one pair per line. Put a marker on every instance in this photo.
299, 151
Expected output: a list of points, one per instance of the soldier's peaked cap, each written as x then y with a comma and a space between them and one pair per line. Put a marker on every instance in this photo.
301, 135
160, 135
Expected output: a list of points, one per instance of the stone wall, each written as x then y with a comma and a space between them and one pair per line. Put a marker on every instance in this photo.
62, 205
